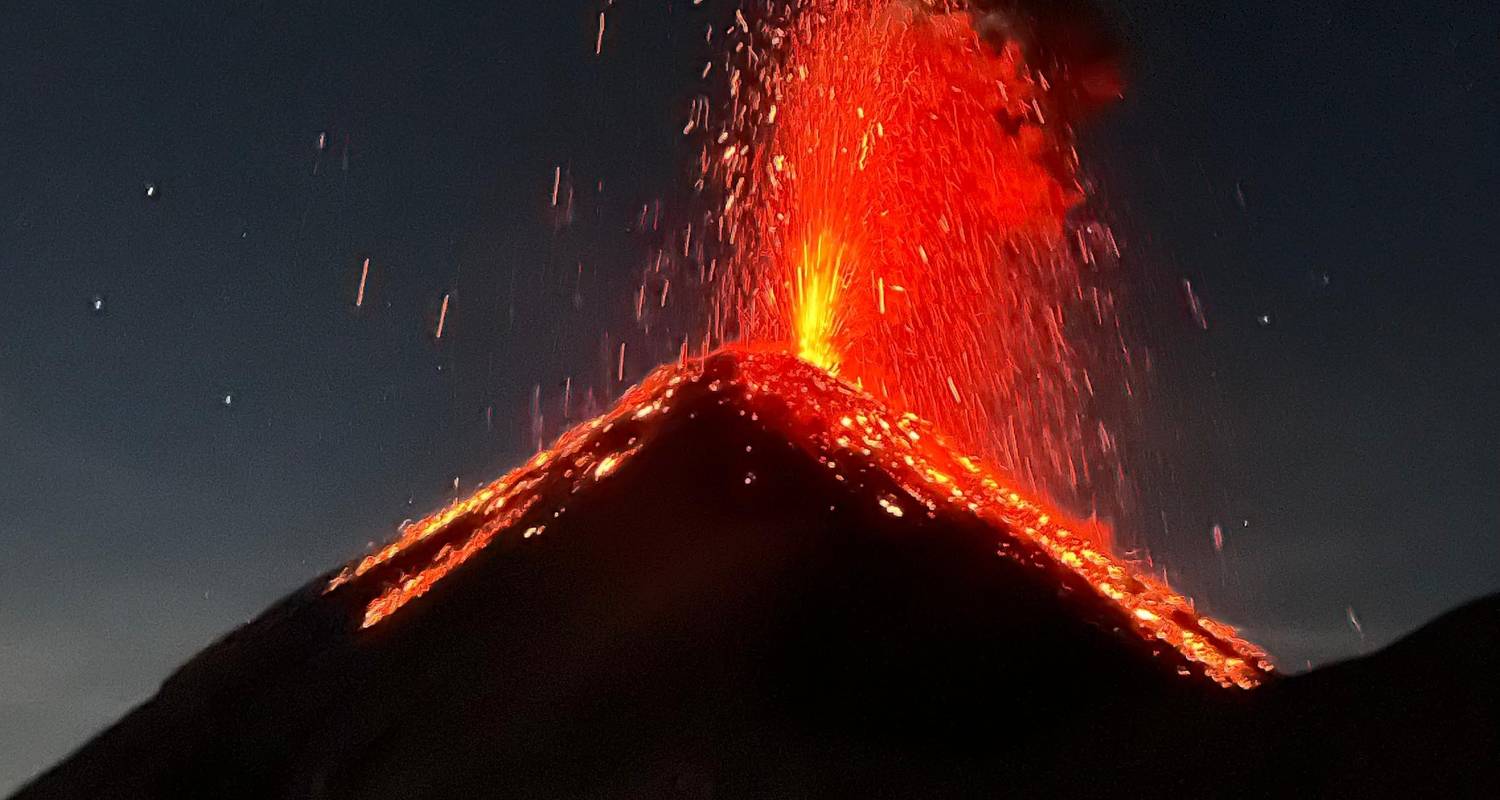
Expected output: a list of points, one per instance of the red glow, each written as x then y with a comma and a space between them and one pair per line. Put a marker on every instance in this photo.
891, 229
846, 430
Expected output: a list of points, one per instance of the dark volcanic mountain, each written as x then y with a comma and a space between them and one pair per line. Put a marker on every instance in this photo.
750, 581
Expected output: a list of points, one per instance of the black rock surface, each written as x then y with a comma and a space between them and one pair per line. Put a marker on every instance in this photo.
681, 632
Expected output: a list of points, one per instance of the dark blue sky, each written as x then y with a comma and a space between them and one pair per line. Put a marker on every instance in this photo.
141, 516
1357, 432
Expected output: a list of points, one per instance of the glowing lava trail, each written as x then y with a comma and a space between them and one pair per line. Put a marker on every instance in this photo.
860, 440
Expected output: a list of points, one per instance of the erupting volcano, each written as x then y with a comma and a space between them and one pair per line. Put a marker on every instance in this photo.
752, 579
899, 226
818, 558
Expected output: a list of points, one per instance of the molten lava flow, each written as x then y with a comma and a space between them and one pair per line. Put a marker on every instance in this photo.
845, 429
901, 183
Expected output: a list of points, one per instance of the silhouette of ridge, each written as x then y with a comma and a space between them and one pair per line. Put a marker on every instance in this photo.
728, 611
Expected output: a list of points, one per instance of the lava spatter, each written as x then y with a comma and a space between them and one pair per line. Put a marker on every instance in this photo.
895, 195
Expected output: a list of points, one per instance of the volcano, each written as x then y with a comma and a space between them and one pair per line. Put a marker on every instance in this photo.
750, 579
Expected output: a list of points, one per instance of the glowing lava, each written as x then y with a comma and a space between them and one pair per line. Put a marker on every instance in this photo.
846, 430
902, 183
817, 301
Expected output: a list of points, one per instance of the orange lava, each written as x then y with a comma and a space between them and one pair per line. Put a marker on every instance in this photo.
844, 428
895, 195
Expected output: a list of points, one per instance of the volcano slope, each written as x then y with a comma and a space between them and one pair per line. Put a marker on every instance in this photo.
751, 581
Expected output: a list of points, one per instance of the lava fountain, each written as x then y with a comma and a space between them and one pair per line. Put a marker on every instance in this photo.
897, 193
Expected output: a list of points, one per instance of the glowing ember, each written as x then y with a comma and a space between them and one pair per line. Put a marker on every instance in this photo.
442, 318
839, 425
364, 274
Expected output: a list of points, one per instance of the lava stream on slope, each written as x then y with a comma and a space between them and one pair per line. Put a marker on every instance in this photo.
845, 429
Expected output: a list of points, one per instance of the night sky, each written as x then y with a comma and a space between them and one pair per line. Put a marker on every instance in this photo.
195, 419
